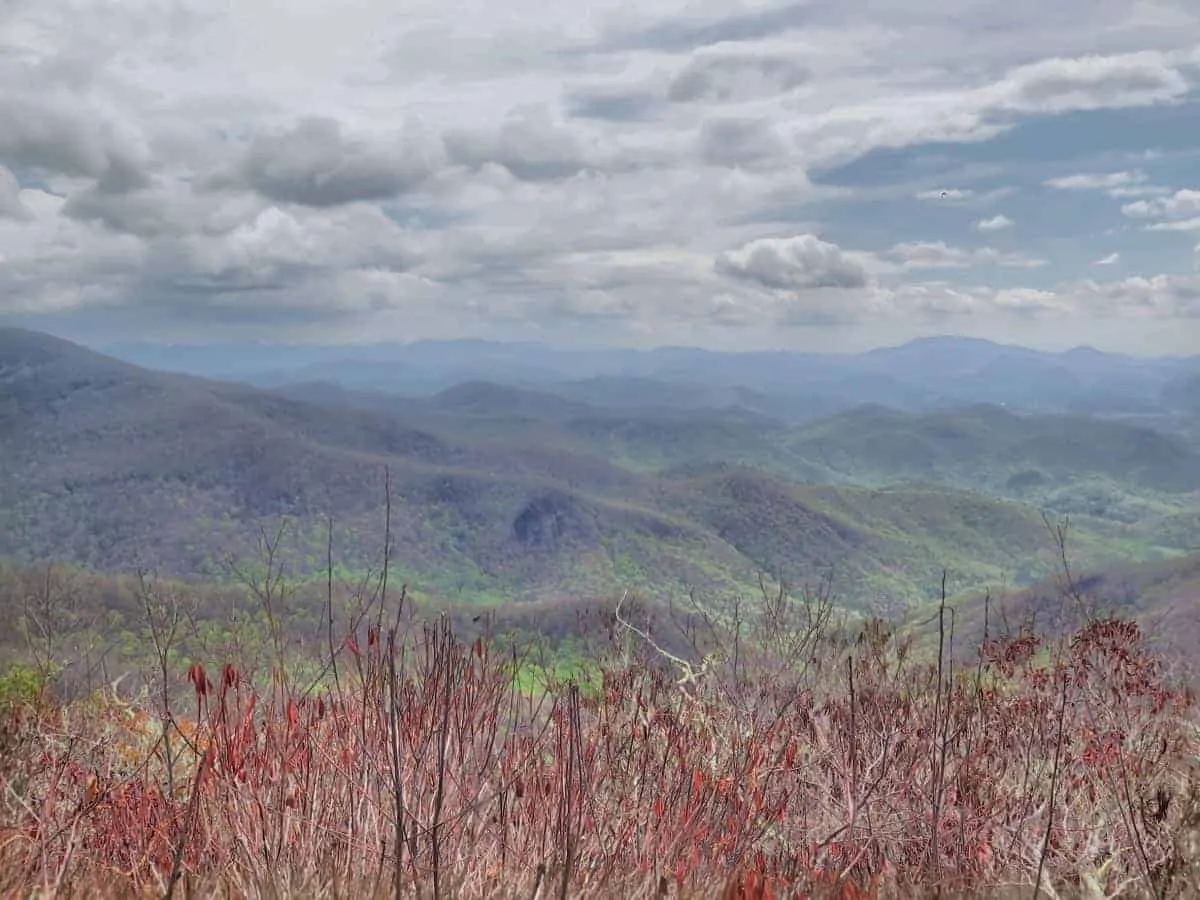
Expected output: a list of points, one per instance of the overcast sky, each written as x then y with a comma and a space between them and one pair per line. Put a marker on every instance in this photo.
812, 175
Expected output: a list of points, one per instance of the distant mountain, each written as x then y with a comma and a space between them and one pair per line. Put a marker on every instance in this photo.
922, 375
497, 492
1123, 475
1182, 393
980, 446
486, 398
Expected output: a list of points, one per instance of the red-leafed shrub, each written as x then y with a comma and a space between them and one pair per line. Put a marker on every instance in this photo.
859, 771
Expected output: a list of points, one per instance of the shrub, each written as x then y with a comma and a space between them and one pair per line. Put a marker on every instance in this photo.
850, 768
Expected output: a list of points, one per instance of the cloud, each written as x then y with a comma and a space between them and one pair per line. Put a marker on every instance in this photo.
1110, 259
709, 78
1097, 182
11, 206
937, 255
658, 171
1138, 190
529, 144
995, 223
939, 300
1156, 297
1192, 224
50, 264
313, 163
62, 135
736, 77
691, 32
264, 250
1182, 203
1090, 82
797, 263
614, 104
165, 207
741, 142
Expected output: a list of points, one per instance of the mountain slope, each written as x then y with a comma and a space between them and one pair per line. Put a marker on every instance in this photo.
1163, 597
990, 446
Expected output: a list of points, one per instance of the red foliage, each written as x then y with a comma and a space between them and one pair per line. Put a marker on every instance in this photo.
797, 788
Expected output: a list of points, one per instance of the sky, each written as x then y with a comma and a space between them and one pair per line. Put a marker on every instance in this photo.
808, 175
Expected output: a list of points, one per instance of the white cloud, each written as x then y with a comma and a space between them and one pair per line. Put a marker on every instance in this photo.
1180, 225
1127, 183
995, 223
1138, 190
1109, 260
937, 255
1155, 297
53, 264
1160, 298
1182, 203
1097, 182
1093, 81
796, 263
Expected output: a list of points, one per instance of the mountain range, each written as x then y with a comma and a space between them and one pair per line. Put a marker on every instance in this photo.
922, 375
504, 491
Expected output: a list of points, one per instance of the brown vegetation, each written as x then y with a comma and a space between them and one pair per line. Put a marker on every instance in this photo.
804, 760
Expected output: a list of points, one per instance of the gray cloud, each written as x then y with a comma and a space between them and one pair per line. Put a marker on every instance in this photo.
710, 77
56, 265
183, 163
164, 208
314, 164
740, 141
57, 135
683, 33
732, 77
11, 205
529, 144
614, 104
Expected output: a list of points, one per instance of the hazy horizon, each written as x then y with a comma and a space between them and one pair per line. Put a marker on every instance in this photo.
266, 341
